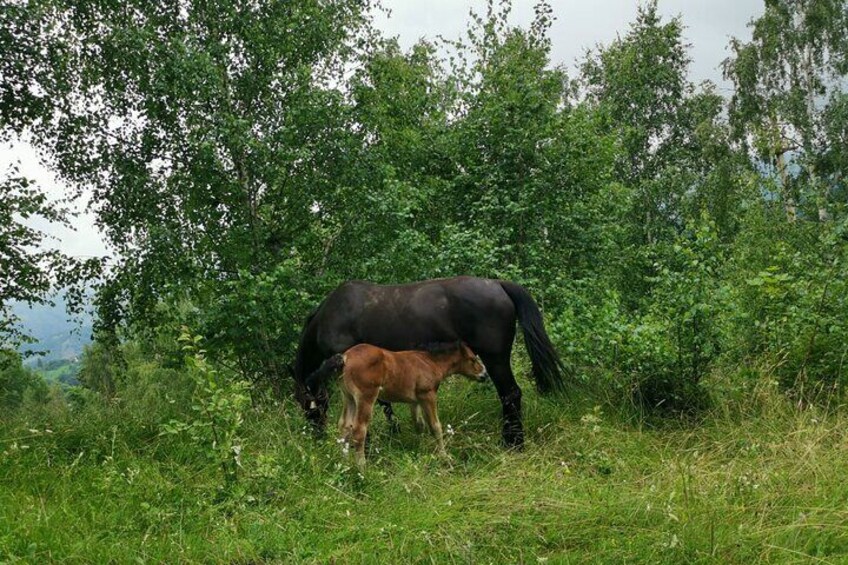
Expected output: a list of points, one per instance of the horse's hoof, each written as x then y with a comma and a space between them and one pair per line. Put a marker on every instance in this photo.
514, 440
319, 433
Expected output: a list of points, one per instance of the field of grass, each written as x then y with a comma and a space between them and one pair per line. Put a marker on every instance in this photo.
755, 480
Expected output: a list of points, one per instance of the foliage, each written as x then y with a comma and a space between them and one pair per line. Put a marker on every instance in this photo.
101, 368
681, 327
533, 181
19, 385
674, 149
262, 310
218, 405
243, 160
789, 98
790, 306
30, 271
206, 135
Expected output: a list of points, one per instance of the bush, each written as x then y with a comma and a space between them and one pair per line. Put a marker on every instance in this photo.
18, 384
680, 329
256, 319
790, 303
658, 353
590, 323
218, 405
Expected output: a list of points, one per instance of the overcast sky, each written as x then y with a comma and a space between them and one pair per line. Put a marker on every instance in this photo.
578, 25
581, 24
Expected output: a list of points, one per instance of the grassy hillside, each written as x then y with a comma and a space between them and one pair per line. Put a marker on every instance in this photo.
758, 480
58, 370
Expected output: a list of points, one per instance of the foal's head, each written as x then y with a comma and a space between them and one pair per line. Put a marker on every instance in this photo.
459, 358
469, 364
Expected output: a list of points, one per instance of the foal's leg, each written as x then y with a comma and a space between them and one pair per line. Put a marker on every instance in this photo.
417, 418
346, 417
362, 417
428, 404
342, 415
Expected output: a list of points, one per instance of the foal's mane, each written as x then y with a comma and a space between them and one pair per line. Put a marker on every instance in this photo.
440, 347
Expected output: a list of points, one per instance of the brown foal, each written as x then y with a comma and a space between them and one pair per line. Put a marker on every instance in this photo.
412, 377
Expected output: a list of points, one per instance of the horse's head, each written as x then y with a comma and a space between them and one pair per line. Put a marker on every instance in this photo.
470, 364
314, 406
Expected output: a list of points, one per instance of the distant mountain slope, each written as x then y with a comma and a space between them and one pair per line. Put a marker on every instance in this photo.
58, 336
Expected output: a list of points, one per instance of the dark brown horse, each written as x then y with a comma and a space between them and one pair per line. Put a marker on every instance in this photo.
411, 377
479, 312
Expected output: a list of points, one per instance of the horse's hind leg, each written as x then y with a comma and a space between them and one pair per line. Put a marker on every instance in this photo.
510, 395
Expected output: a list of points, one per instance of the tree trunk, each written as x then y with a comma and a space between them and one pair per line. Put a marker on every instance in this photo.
789, 204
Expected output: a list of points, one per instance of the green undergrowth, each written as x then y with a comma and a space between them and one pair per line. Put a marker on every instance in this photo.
757, 479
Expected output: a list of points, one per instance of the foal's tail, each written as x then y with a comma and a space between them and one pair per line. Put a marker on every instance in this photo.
547, 366
328, 369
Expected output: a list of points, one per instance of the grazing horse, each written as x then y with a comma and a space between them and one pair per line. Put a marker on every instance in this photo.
411, 377
480, 312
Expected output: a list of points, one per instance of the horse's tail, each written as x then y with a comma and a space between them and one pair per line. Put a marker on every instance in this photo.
547, 366
328, 369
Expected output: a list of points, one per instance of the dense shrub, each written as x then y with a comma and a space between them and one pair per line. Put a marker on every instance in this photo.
19, 385
790, 303
657, 354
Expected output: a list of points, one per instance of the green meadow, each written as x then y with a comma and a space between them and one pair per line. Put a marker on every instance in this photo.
754, 479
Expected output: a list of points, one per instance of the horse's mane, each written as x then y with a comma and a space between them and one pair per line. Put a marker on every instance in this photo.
439, 347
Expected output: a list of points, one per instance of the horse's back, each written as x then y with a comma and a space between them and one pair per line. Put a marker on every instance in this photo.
398, 317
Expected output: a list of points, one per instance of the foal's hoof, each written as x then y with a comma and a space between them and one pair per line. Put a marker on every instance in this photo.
446, 459
394, 428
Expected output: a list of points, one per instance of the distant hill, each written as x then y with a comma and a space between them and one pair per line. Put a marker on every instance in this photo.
58, 336
62, 371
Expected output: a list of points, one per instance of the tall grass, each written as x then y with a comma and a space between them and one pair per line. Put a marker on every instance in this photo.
758, 479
